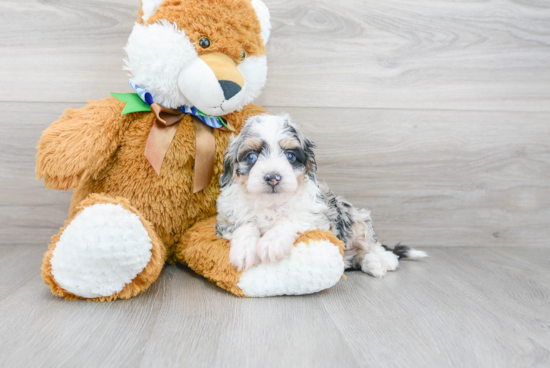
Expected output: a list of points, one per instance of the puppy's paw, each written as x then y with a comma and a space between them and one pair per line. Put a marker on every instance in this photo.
242, 254
275, 245
378, 264
389, 260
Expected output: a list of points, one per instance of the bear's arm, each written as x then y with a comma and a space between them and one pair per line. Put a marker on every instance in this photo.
79, 144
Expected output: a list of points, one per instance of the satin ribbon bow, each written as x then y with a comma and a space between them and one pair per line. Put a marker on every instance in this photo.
164, 129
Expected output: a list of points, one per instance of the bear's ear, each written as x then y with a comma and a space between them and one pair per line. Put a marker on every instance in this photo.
149, 7
262, 12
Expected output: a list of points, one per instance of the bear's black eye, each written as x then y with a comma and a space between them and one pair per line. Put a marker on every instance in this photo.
243, 55
205, 42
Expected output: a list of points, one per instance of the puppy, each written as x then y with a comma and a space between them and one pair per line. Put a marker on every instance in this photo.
269, 195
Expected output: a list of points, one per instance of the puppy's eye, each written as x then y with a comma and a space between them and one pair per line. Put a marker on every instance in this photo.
205, 42
252, 157
243, 56
291, 157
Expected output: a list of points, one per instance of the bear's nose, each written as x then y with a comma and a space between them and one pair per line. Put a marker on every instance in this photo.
272, 179
229, 88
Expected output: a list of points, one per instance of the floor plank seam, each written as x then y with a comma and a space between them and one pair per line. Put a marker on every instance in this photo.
324, 107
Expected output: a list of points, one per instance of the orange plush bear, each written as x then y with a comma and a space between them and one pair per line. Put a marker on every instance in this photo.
145, 167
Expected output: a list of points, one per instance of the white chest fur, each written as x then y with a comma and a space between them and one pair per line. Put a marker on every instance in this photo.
304, 209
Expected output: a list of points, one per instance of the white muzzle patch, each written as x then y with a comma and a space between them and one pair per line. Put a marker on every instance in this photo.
198, 83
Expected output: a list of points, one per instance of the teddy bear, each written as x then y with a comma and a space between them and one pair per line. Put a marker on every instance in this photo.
145, 166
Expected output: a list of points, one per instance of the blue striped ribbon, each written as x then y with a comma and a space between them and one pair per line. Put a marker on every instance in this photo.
212, 121
143, 94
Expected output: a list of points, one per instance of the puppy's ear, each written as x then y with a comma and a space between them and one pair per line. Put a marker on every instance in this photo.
230, 161
307, 147
228, 168
310, 164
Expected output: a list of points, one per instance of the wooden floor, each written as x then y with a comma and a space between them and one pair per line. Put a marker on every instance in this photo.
433, 114
462, 307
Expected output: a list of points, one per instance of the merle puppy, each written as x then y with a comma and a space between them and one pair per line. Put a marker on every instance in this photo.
270, 194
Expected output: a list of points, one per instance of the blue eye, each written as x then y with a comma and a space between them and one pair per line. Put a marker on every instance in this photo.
252, 157
290, 157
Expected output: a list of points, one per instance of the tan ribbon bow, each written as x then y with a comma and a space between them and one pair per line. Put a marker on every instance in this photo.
161, 135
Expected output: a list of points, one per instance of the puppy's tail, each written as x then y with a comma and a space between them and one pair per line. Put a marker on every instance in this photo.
404, 251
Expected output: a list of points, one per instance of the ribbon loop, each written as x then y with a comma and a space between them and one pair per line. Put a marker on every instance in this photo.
165, 115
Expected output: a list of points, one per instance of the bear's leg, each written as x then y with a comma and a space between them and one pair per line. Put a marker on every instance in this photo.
106, 251
315, 263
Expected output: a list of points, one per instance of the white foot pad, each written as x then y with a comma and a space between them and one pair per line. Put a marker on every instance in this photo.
377, 263
104, 248
308, 269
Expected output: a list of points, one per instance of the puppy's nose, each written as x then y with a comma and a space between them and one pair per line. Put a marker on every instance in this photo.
229, 88
272, 179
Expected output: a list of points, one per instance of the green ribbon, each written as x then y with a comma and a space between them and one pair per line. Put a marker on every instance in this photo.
133, 102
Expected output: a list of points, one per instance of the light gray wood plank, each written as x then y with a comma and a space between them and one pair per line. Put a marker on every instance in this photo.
226, 331
30, 212
462, 307
425, 54
439, 178
51, 332
72, 46
19, 264
41, 330
428, 54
